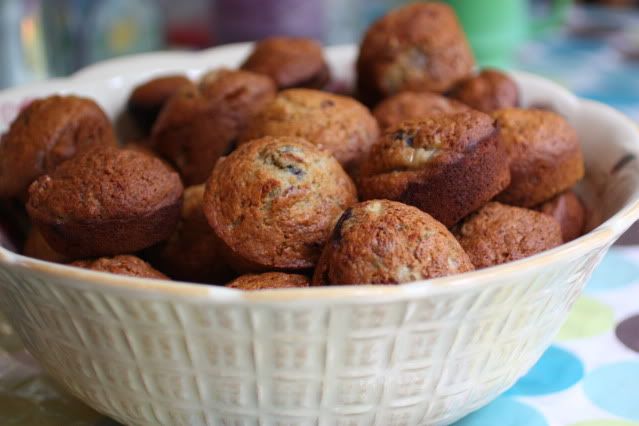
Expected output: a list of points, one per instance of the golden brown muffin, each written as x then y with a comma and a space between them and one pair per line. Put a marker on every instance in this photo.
269, 280
106, 201
192, 252
418, 47
336, 123
147, 99
121, 265
498, 233
273, 203
569, 211
35, 246
447, 165
46, 133
544, 153
414, 106
201, 123
386, 242
488, 91
290, 62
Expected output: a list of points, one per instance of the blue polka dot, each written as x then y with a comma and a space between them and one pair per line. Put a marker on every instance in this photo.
555, 371
614, 271
504, 412
615, 388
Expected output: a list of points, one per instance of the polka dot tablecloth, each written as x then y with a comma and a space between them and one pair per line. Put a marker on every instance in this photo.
588, 377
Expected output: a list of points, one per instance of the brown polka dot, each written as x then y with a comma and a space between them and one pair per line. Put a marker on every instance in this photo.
628, 332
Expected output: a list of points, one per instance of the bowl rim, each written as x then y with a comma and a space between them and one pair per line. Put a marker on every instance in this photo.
159, 62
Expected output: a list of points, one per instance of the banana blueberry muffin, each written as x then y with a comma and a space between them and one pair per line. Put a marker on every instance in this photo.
544, 153
418, 47
273, 203
46, 133
106, 201
268, 280
447, 165
290, 62
498, 233
121, 265
386, 242
147, 99
413, 106
201, 123
192, 252
488, 91
569, 211
336, 123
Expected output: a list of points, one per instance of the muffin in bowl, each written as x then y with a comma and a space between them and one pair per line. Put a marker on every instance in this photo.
487, 91
269, 280
128, 265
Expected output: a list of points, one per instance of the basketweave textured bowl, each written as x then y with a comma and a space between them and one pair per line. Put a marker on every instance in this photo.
153, 352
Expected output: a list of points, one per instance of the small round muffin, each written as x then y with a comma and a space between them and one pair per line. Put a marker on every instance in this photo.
274, 201
35, 246
447, 165
46, 133
121, 265
201, 123
336, 123
569, 211
418, 47
290, 62
386, 242
268, 280
192, 252
106, 201
544, 152
488, 91
147, 99
498, 233
413, 106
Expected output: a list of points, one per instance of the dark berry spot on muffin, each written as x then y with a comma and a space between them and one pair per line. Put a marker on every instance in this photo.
337, 232
295, 170
623, 162
327, 103
407, 138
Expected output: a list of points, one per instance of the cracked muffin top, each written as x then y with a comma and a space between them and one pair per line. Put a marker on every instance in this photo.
273, 203
386, 242
268, 280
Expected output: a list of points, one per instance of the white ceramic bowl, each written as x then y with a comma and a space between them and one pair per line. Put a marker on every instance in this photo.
155, 352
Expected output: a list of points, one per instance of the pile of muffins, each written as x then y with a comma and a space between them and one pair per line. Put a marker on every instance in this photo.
261, 177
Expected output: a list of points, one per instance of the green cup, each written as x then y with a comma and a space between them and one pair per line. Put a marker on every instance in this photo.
496, 28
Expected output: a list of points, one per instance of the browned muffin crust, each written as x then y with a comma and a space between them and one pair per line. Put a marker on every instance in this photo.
290, 62
544, 153
35, 246
201, 122
569, 211
147, 99
121, 265
447, 165
498, 233
336, 123
192, 253
386, 242
269, 280
488, 91
419, 47
46, 133
106, 201
414, 106
273, 203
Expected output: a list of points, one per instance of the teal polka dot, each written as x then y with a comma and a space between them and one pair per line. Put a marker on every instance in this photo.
615, 388
555, 371
614, 271
504, 412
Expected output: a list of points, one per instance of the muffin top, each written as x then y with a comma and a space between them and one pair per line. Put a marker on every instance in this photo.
488, 91
386, 242
336, 123
121, 265
104, 183
273, 202
153, 93
47, 132
498, 233
413, 106
268, 280
290, 62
